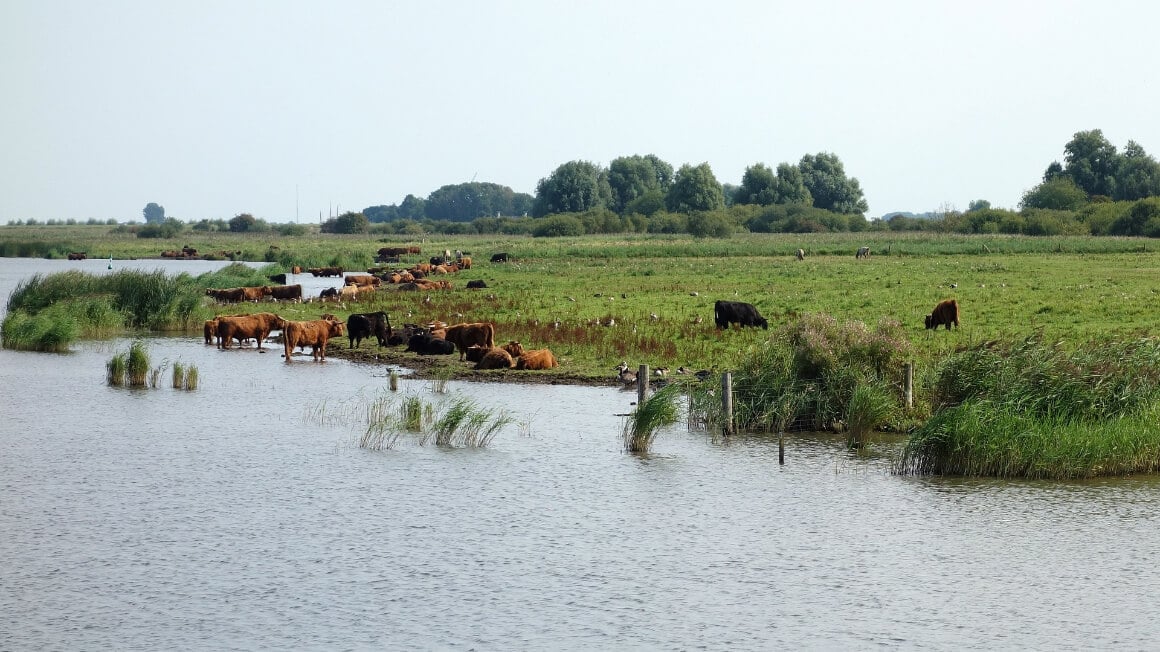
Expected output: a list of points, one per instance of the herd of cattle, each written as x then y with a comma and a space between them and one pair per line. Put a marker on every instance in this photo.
475, 342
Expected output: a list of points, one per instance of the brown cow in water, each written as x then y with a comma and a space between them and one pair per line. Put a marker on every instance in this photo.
537, 359
465, 335
945, 313
210, 330
240, 327
314, 334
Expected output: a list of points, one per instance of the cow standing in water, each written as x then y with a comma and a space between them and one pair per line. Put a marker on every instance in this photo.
737, 312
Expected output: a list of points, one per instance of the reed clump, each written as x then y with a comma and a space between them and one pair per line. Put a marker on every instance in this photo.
659, 410
185, 376
1033, 409
462, 422
115, 370
137, 365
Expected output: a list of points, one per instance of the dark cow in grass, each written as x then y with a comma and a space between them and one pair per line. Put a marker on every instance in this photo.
945, 313
499, 258
427, 345
363, 325
737, 312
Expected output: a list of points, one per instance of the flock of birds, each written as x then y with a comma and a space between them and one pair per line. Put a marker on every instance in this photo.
628, 377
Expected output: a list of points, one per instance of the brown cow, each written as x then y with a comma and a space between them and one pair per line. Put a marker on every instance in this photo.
286, 292
464, 335
227, 295
255, 293
362, 280
77, 255
537, 359
297, 269
495, 359
465, 262
314, 334
256, 326
210, 330
944, 314
514, 348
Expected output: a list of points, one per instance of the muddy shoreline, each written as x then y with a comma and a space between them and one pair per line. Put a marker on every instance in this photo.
449, 367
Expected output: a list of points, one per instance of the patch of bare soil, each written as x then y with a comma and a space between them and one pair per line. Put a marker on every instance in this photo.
448, 366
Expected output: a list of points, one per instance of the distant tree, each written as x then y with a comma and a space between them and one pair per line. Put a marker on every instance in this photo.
169, 228
558, 225
381, 213
574, 187
413, 208
695, 189
1091, 163
631, 177
467, 201
1137, 174
348, 222
710, 224
647, 204
1060, 193
154, 213
825, 178
758, 186
1053, 170
242, 223
978, 205
1143, 218
292, 229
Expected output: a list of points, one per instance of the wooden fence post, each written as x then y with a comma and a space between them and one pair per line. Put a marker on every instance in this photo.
727, 401
641, 383
908, 391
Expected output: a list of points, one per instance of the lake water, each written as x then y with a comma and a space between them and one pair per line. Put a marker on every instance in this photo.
243, 515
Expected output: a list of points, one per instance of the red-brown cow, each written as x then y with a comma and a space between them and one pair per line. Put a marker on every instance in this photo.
464, 335
495, 358
286, 292
362, 280
944, 314
241, 327
537, 359
514, 348
210, 330
314, 334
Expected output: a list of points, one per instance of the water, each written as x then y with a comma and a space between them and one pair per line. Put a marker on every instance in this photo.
234, 517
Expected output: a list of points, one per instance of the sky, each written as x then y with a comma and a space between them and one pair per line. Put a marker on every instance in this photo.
292, 110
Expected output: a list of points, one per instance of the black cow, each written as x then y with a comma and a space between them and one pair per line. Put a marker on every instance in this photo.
476, 285
363, 325
438, 260
328, 292
280, 279
737, 312
499, 258
427, 345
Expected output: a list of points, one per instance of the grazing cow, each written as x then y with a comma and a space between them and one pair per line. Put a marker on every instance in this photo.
537, 359
255, 293
499, 258
328, 293
210, 330
496, 359
314, 334
476, 285
465, 262
361, 326
77, 255
280, 279
348, 292
227, 295
801, 254
863, 252
737, 312
286, 292
427, 345
363, 280
464, 335
240, 327
945, 313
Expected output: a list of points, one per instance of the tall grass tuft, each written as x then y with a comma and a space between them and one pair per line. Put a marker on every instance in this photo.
657, 411
382, 431
178, 375
1037, 410
871, 405
462, 422
116, 369
137, 365
192, 378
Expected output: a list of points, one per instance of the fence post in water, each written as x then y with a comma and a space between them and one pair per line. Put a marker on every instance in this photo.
781, 448
908, 391
642, 383
394, 381
727, 401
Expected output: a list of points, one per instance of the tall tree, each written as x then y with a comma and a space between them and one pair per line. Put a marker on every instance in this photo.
631, 177
242, 222
1137, 174
413, 207
791, 186
1091, 163
825, 177
758, 186
154, 213
1058, 193
348, 222
695, 189
574, 187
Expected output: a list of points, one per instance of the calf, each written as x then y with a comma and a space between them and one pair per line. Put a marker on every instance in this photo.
945, 313
737, 312
427, 345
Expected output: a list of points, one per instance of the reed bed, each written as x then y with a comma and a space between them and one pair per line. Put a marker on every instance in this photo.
658, 410
137, 365
116, 370
462, 422
192, 378
1041, 410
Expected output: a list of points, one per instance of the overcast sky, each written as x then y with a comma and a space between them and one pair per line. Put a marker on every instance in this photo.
288, 109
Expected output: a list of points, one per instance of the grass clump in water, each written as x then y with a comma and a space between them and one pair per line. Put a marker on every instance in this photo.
463, 423
116, 368
1034, 410
657, 411
137, 365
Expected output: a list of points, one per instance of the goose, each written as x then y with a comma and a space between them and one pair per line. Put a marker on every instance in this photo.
627, 377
